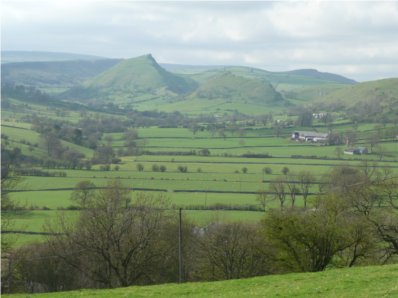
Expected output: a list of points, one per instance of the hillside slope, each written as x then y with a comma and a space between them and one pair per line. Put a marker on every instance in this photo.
142, 74
304, 84
231, 87
369, 99
326, 76
53, 74
375, 281
309, 76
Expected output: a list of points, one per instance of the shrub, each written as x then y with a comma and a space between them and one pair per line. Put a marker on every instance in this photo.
140, 167
183, 169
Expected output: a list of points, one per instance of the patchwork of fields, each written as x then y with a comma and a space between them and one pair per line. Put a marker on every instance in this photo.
223, 179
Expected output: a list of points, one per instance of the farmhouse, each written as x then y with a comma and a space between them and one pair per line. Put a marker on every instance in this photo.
319, 115
309, 136
360, 150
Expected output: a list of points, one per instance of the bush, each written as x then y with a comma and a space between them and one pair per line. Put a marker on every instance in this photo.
183, 169
105, 167
285, 170
267, 170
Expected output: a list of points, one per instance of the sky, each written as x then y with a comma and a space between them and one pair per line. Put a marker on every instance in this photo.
356, 39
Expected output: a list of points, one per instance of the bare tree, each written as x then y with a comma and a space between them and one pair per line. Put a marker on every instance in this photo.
278, 188
116, 239
292, 188
130, 138
84, 193
262, 198
305, 179
230, 251
365, 190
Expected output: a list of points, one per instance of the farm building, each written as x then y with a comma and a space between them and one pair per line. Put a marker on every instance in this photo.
360, 150
309, 136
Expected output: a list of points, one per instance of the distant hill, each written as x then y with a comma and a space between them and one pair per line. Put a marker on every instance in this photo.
302, 84
366, 100
188, 69
313, 73
34, 56
300, 76
147, 85
141, 74
58, 73
228, 86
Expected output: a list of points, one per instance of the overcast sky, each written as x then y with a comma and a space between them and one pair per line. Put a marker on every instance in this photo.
355, 39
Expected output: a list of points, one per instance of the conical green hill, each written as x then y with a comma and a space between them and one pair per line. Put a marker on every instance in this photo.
140, 74
231, 87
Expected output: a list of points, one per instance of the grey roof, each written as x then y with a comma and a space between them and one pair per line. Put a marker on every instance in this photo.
312, 134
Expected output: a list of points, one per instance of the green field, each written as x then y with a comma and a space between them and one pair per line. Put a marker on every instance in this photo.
376, 281
211, 141
225, 178
215, 180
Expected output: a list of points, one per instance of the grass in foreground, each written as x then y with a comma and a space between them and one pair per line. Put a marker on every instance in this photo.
374, 281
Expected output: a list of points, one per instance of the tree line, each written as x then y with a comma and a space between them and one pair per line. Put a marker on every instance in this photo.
120, 240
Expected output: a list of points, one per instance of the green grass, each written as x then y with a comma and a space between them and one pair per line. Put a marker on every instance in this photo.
40, 199
231, 87
222, 171
38, 220
374, 281
139, 75
20, 134
34, 221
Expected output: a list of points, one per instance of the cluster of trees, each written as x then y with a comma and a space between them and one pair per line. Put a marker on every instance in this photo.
287, 186
59, 154
22, 92
159, 168
10, 159
119, 240
87, 132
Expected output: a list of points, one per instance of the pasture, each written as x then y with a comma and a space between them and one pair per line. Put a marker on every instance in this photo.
225, 179
372, 281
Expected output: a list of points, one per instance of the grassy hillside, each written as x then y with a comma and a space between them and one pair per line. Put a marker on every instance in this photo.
370, 99
148, 85
303, 84
141, 74
380, 90
376, 281
295, 76
315, 74
53, 74
231, 87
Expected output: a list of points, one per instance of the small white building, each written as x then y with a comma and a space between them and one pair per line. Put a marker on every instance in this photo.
309, 136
